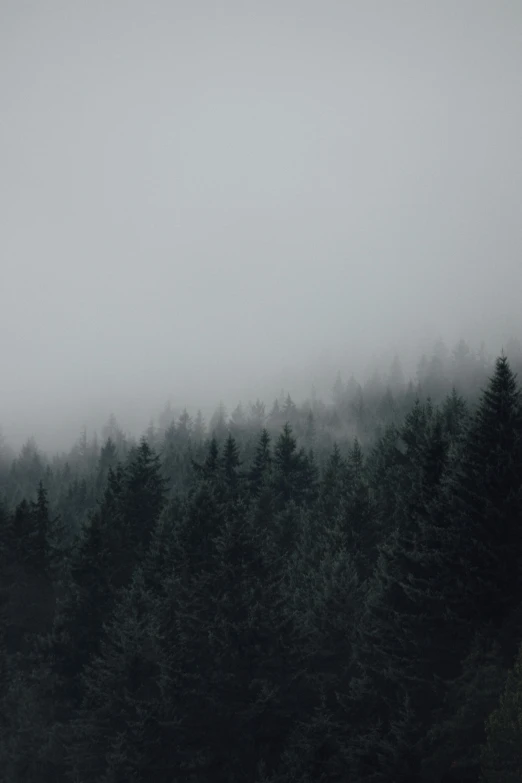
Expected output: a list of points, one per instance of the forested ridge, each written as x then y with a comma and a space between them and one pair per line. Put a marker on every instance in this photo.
329, 591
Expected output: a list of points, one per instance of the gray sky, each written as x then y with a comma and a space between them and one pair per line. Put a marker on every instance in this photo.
197, 196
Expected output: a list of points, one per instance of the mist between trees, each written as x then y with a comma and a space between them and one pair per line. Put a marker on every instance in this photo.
328, 590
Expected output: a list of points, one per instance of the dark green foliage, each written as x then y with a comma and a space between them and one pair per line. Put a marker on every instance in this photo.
488, 501
230, 464
112, 544
108, 459
333, 484
410, 634
321, 609
294, 472
259, 473
358, 513
88, 595
452, 748
501, 757
31, 557
209, 469
115, 731
7, 534
142, 500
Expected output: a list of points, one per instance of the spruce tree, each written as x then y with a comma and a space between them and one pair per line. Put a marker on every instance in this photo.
501, 757
230, 464
332, 485
292, 471
209, 469
356, 518
142, 500
261, 466
411, 631
115, 735
488, 502
99, 564
452, 747
108, 459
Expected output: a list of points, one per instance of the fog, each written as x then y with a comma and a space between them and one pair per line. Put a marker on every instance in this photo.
204, 201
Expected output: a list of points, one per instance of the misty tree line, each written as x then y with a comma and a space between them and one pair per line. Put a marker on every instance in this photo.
322, 592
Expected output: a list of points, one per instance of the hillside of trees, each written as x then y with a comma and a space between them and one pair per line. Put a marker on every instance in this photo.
329, 591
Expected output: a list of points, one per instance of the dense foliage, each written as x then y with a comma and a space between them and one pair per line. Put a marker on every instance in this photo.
324, 592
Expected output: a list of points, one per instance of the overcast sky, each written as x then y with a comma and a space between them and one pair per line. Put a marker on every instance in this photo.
196, 196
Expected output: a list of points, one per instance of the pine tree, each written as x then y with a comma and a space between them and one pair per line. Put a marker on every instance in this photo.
199, 429
238, 418
115, 735
311, 431
209, 469
218, 423
7, 578
99, 566
108, 459
502, 754
275, 417
356, 516
289, 411
261, 467
292, 472
257, 418
143, 499
40, 550
7, 535
230, 464
488, 501
333, 484
31, 557
411, 634
328, 614
231, 638
455, 413
83, 608
184, 428
452, 748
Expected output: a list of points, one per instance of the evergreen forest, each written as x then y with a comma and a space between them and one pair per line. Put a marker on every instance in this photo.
322, 592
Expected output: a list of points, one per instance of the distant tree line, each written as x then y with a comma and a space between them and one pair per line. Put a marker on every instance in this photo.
320, 592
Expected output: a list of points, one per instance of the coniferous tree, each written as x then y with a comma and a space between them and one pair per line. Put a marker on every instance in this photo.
40, 553
209, 469
407, 638
455, 413
355, 518
230, 464
272, 625
333, 485
257, 418
501, 756
142, 500
184, 428
488, 502
115, 735
452, 748
218, 423
199, 429
291, 470
261, 467
108, 459
33, 554
88, 597
7, 577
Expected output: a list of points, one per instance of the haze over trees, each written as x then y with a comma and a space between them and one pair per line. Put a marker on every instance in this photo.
260, 391
320, 592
